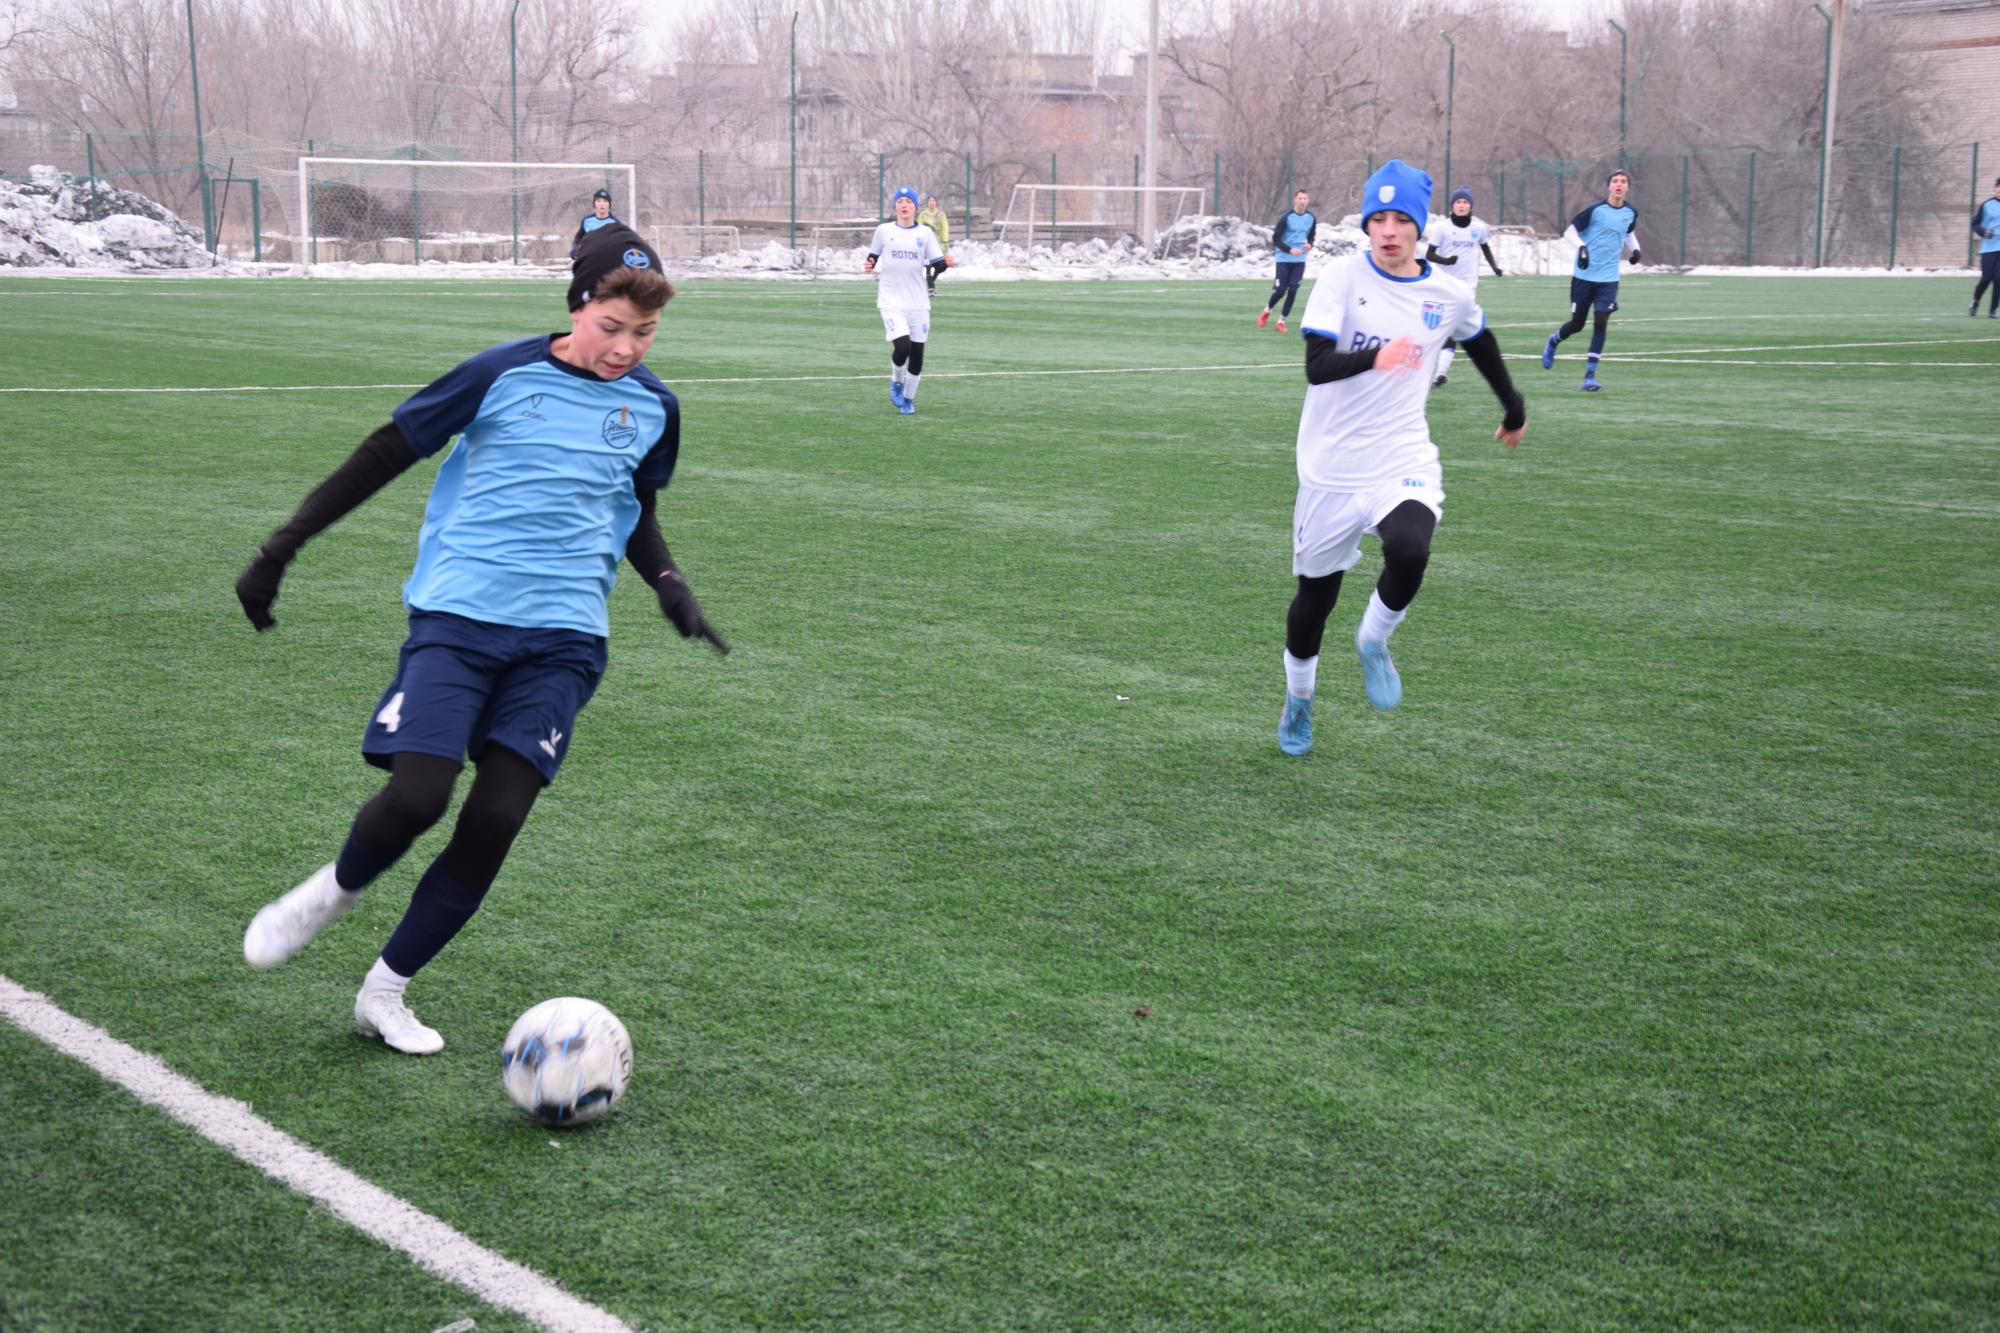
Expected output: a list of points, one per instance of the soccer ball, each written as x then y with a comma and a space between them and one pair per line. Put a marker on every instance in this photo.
566, 1061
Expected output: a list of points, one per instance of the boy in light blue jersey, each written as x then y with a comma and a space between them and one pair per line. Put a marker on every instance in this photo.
1986, 226
598, 217
1291, 241
558, 448
1603, 234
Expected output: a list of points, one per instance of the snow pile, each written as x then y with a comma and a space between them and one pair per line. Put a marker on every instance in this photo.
44, 223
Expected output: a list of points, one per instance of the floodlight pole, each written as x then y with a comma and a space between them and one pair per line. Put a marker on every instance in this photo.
1149, 233
514, 118
1450, 97
795, 130
1830, 93
208, 225
1621, 88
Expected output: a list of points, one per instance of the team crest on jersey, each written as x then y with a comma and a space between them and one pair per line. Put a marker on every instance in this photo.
636, 258
1433, 314
621, 428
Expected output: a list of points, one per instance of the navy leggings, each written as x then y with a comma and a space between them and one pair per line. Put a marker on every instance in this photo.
1989, 277
1287, 286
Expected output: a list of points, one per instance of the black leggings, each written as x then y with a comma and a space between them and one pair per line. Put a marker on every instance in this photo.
907, 353
1406, 552
417, 795
1287, 286
1601, 322
1989, 276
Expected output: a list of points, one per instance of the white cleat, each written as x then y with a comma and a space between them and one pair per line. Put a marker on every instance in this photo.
285, 926
381, 1013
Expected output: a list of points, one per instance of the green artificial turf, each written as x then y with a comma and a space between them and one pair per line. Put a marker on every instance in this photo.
1639, 970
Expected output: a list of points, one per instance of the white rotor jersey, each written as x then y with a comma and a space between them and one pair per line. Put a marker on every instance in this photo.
1369, 428
902, 255
1452, 241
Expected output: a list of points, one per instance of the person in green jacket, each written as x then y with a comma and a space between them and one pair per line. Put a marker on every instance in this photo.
933, 217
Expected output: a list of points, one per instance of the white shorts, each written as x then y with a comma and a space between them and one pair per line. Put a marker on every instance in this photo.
912, 324
1327, 526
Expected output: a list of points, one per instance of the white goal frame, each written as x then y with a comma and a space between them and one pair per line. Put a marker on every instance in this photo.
731, 236
816, 243
308, 241
1035, 190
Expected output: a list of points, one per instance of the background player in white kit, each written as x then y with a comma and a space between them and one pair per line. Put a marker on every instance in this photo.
1374, 325
1455, 241
908, 254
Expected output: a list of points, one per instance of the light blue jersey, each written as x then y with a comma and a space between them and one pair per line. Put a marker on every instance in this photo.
531, 510
1294, 230
1603, 230
591, 222
1989, 222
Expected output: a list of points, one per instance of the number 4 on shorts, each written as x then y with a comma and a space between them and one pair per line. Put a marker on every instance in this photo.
391, 715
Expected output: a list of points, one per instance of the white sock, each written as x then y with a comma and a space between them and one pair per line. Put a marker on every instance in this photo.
383, 977
1378, 622
1444, 360
910, 385
1301, 676
896, 376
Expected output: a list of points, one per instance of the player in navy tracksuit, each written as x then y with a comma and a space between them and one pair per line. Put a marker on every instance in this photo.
558, 446
1986, 226
1291, 241
1603, 234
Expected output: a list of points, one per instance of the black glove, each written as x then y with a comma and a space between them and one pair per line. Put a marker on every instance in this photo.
1635, 256
1583, 256
1497, 273
257, 588
677, 603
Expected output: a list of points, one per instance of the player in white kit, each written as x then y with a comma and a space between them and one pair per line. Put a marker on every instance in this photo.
906, 253
1373, 329
1455, 241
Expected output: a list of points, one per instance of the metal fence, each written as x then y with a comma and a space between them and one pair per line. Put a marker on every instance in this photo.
1885, 204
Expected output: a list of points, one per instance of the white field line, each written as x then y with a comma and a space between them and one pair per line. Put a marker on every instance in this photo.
1666, 356
368, 1208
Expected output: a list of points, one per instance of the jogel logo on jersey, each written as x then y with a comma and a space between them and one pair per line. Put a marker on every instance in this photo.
1433, 314
621, 428
636, 258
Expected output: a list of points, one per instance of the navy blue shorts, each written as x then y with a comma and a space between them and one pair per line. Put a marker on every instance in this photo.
1587, 295
462, 683
1292, 273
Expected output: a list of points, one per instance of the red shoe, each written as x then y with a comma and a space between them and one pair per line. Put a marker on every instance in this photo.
1281, 326
1263, 319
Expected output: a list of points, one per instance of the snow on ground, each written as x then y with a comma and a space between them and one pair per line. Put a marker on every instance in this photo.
44, 227
44, 223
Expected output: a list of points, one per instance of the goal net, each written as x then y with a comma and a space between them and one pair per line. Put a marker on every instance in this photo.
400, 211
830, 246
1052, 214
692, 241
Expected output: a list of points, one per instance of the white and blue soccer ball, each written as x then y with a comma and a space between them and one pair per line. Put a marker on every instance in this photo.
566, 1061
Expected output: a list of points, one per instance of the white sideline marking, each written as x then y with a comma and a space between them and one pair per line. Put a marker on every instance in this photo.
368, 1208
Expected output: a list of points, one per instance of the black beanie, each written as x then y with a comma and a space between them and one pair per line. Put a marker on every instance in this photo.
604, 252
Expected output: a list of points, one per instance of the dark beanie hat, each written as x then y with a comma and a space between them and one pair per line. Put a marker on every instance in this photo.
603, 253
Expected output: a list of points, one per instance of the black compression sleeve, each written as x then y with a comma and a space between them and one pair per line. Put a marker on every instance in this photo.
647, 547
1325, 362
382, 457
1487, 250
1484, 351
1435, 258
936, 266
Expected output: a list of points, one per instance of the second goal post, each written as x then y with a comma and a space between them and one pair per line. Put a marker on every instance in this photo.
1039, 214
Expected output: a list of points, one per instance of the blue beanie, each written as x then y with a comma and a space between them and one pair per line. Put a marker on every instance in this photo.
1461, 193
1397, 187
908, 192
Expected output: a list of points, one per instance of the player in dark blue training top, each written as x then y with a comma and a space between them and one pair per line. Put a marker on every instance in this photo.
564, 442
599, 216
1291, 241
1603, 234
1986, 226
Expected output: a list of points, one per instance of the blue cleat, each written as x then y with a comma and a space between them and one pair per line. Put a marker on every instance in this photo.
1295, 726
896, 396
907, 406
1590, 384
1549, 352
1378, 676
